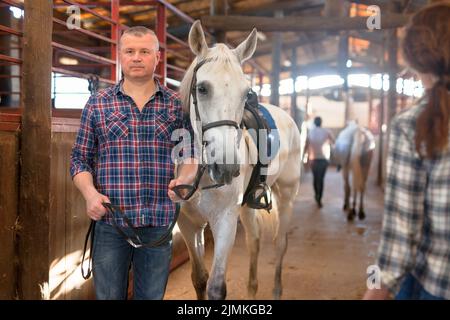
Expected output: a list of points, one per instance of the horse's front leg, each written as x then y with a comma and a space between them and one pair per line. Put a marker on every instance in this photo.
252, 237
192, 232
224, 232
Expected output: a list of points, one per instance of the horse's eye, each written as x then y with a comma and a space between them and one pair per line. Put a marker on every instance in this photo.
202, 90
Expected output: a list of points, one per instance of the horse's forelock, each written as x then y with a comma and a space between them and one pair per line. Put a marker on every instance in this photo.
219, 53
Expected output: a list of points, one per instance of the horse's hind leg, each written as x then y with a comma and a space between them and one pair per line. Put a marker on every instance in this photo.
361, 213
352, 212
252, 237
285, 200
345, 174
193, 236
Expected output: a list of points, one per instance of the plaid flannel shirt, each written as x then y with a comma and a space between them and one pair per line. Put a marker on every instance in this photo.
416, 224
128, 152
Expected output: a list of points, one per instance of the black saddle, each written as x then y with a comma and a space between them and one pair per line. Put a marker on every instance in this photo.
258, 194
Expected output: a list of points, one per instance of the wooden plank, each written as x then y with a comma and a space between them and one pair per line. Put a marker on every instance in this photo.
36, 146
10, 122
68, 226
9, 195
65, 124
295, 24
57, 222
76, 226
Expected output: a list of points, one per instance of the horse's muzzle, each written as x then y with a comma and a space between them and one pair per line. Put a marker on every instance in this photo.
223, 173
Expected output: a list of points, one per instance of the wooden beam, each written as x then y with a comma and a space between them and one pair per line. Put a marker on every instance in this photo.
293, 5
295, 24
276, 65
266, 48
36, 150
393, 68
219, 7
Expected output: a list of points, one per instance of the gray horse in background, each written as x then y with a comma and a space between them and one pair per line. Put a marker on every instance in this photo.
353, 154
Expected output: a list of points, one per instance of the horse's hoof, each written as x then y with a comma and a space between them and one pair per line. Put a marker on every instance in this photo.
351, 215
277, 294
361, 215
251, 290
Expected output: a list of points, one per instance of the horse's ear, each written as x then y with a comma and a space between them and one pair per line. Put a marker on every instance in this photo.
246, 49
197, 40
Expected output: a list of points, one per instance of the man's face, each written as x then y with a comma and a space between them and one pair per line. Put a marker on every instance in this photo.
138, 56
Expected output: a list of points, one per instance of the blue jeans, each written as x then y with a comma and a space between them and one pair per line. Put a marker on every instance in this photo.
112, 256
411, 289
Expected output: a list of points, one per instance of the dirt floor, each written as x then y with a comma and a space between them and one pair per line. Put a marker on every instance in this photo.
327, 257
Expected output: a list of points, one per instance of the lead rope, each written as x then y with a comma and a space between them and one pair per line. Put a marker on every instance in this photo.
90, 233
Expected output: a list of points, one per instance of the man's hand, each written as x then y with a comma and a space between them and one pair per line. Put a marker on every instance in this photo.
187, 174
95, 209
377, 294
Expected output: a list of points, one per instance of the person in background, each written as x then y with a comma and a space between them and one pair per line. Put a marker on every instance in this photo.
414, 252
318, 145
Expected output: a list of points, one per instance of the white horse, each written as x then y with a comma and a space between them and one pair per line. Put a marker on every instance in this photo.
353, 152
216, 83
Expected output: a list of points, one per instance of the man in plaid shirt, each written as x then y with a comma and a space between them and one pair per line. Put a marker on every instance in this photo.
122, 155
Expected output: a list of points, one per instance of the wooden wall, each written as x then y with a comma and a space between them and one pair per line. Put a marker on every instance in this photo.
68, 221
9, 191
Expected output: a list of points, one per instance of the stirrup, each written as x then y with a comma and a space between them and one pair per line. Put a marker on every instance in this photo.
260, 197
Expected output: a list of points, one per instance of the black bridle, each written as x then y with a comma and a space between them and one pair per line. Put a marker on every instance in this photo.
190, 189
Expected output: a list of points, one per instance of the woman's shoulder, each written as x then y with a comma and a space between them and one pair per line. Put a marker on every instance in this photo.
406, 120
411, 113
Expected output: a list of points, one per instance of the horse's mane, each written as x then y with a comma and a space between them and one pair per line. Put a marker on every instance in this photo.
220, 54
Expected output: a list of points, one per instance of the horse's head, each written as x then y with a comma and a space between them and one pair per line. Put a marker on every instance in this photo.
214, 91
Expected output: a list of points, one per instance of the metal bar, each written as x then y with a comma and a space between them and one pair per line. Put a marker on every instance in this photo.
13, 3
10, 59
161, 34
115, 33
84, 31
176, 11
179, 56
79, 75
171, 66
82, 54
83, 65
10, 92
98, 15
11, 31
93, 4
183, 43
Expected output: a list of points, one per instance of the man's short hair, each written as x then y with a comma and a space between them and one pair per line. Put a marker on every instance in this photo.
318, 121
140, 31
